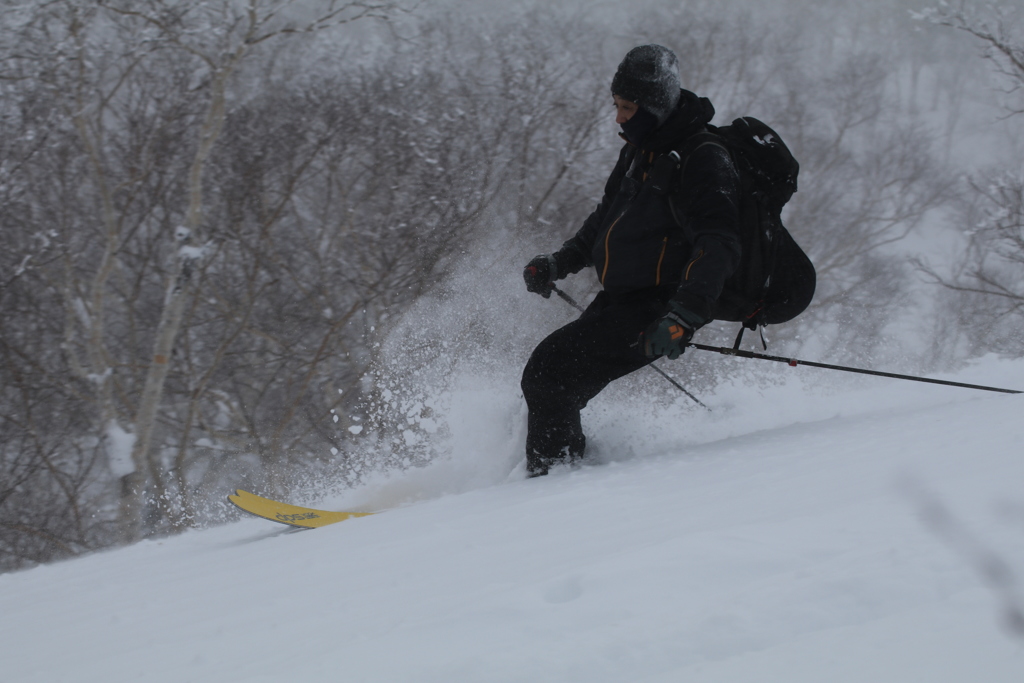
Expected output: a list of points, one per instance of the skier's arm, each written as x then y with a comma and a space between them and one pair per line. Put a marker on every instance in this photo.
542, 271
575, 254
710, 206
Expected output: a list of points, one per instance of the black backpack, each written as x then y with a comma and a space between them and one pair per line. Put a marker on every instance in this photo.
775, 280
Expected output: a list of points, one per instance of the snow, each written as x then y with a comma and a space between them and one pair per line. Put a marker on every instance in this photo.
119, 449
787, 535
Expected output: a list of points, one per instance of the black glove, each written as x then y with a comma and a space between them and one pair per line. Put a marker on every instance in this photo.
540, 274
669, 335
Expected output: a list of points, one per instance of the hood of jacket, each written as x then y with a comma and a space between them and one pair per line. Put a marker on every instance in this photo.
691, 115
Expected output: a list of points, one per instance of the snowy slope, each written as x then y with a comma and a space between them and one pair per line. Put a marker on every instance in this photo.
782, 537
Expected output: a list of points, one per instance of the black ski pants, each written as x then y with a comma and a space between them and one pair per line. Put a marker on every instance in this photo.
574, 363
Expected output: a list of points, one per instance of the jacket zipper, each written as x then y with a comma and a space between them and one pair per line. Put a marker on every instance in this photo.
657, 273
608, 235
700, 255
607, 252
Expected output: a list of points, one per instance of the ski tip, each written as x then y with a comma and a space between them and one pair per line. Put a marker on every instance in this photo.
237, 496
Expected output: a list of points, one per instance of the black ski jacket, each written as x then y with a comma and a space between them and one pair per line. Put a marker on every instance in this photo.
634, 241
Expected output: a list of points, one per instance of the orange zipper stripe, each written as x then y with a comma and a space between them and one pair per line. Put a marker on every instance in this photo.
700, 255
657, 273
607, 253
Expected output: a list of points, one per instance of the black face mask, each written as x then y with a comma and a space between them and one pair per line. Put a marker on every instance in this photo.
639, 126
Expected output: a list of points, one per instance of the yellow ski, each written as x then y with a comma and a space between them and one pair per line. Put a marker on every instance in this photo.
293, 515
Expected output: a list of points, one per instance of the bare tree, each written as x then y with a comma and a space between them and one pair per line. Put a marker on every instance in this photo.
113, 114
998, 28
334, 196
219, 37
986, 284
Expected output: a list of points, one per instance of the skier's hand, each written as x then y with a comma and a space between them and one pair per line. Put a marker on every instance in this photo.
540, 275
669, 335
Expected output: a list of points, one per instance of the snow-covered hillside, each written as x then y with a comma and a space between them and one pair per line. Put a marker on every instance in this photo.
800, 533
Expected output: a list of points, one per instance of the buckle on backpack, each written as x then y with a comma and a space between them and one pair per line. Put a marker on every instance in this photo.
663, 171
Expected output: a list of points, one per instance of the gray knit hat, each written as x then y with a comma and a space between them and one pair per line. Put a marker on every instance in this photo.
649, 77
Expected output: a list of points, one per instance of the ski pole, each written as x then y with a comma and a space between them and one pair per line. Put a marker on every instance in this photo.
793, 362
572, 302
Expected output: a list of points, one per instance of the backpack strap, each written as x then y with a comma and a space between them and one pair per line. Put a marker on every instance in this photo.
681, 157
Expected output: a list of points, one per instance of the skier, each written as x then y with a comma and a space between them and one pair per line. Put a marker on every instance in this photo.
660, 282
